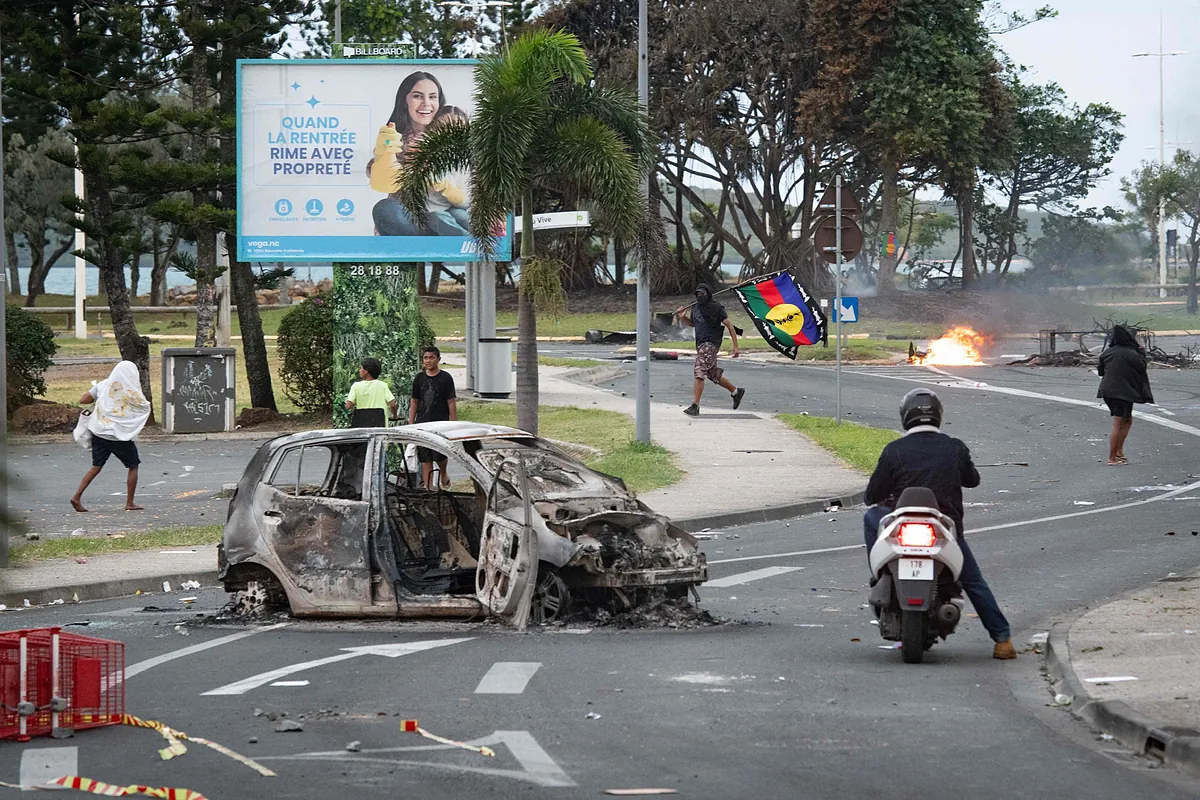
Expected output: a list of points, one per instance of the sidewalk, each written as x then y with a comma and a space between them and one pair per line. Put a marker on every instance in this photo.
1147, 643
742, 466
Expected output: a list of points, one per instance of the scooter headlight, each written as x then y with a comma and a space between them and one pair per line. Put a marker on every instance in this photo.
916, 534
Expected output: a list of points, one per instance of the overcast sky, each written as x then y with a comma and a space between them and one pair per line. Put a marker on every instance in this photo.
1087, 50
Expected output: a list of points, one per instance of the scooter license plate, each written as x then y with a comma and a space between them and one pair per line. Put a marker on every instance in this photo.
916, 569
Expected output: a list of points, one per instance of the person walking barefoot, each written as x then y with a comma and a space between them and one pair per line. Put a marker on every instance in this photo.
709, 318
120, 413
1123, 382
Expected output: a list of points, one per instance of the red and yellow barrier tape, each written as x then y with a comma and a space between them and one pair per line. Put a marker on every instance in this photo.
175, 747
110, 790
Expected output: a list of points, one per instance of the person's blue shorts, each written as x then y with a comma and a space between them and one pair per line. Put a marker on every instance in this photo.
126, 452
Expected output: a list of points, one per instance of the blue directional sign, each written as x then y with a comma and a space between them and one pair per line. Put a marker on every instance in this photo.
848, 312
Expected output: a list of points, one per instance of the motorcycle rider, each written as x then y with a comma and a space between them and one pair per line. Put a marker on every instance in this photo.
924, 456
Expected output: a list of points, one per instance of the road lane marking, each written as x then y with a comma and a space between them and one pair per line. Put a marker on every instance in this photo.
786, 555
1120, 506
507, 677
387, 650
746, 577
537, 766
150, 663
290, 683
40, 765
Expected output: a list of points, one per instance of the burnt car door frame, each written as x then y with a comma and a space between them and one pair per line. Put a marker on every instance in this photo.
321, 543
508, 552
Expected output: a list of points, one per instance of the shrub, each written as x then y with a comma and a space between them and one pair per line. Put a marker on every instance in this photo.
306, 352
30, 353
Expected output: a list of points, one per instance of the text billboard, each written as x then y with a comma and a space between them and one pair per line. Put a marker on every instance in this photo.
320, 147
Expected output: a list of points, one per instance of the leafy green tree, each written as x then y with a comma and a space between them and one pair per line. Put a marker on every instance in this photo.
105, 72
31, 350
1182, 189
34, 188
1057, 154
1144, 188
539, 123
1080, 246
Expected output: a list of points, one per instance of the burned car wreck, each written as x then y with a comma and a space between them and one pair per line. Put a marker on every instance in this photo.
335, 523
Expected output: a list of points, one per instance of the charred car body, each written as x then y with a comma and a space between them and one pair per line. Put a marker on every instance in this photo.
335, 524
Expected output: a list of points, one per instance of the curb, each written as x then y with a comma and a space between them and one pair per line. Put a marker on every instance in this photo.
599, 374
104, 590
224, 436
1177, 748
768, 514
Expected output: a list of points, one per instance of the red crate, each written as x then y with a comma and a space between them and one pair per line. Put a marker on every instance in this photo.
53, 680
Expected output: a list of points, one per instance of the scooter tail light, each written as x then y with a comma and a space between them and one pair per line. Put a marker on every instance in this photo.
916, 534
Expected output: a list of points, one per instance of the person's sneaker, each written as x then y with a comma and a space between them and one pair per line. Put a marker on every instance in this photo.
1004, 650
692, 411
737, 397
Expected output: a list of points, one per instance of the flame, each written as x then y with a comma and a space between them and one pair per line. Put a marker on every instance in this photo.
959, 347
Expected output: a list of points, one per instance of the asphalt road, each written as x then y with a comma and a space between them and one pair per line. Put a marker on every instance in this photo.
781, 700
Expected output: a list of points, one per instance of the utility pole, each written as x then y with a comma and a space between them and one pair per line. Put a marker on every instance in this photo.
1162, 153
642, 394
337, 26
837, 325
3, 345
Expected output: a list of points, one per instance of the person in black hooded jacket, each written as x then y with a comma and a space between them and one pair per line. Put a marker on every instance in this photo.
1123, 382
709, 318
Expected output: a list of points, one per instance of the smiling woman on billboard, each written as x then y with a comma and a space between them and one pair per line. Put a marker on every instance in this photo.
420, 106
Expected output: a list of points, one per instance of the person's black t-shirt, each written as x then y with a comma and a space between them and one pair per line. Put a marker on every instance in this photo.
433, 395
708, 323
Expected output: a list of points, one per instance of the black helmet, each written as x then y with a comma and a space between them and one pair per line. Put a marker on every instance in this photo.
920, 407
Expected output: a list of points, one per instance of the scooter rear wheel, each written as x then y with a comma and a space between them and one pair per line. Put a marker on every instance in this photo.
914, 630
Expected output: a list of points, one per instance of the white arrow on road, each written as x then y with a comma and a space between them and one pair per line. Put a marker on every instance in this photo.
388, 650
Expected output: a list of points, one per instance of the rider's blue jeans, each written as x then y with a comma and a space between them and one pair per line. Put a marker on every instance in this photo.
971, 579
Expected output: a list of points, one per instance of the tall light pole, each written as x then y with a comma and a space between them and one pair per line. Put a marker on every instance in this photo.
3, 348
642, 393
337, 26
1162, 154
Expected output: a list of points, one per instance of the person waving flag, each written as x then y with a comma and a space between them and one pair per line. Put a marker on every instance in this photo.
784, 313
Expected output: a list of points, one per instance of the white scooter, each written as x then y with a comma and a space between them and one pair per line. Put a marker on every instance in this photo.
915, 564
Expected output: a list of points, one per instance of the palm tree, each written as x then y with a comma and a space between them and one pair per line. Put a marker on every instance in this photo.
540, 125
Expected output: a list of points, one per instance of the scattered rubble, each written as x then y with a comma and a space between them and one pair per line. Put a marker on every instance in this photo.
289, 726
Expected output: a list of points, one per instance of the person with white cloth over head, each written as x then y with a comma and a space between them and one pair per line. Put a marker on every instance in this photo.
119, 414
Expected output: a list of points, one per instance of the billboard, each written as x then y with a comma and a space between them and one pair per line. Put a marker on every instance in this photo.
320, 145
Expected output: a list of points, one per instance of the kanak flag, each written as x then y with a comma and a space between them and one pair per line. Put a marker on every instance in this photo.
784, 313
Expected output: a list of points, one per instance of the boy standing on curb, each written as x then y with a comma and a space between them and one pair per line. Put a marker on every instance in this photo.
433, 400
708, 316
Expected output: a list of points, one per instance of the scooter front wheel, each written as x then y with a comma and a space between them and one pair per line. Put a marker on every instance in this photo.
914, 631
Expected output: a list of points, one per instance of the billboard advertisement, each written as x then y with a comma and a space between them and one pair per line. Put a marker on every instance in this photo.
320, 147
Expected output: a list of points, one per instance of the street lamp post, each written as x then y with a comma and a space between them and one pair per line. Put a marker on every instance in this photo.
1162, 154
642, 387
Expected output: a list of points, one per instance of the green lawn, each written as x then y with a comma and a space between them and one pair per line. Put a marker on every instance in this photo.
642, 467
183, 323
1170, 316
857, 445
574, 363
83, 546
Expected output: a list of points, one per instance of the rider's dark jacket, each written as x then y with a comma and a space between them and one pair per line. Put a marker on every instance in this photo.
925, 457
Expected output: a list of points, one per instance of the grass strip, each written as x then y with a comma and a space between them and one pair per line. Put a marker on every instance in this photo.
857, 445
642, 466
73, 547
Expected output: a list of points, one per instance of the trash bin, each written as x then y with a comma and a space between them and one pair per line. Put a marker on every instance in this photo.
494, 376
198, 389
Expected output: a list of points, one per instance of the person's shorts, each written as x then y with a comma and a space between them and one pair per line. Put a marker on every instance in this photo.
1119, 408
126, 452
706, 363
427, 456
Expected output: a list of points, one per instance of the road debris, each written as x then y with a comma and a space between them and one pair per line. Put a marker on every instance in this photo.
189, 586
592, 715
1061, 700
167, 586
1084, 503
639, 792
354, 747
411, 726
176, 747
288, 726
81, 559
1113, 679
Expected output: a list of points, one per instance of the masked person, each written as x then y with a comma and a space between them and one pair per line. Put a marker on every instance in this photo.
1123, 382
120, 412
924, 456
710, 321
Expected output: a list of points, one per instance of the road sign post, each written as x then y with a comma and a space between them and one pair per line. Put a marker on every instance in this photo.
847, 240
